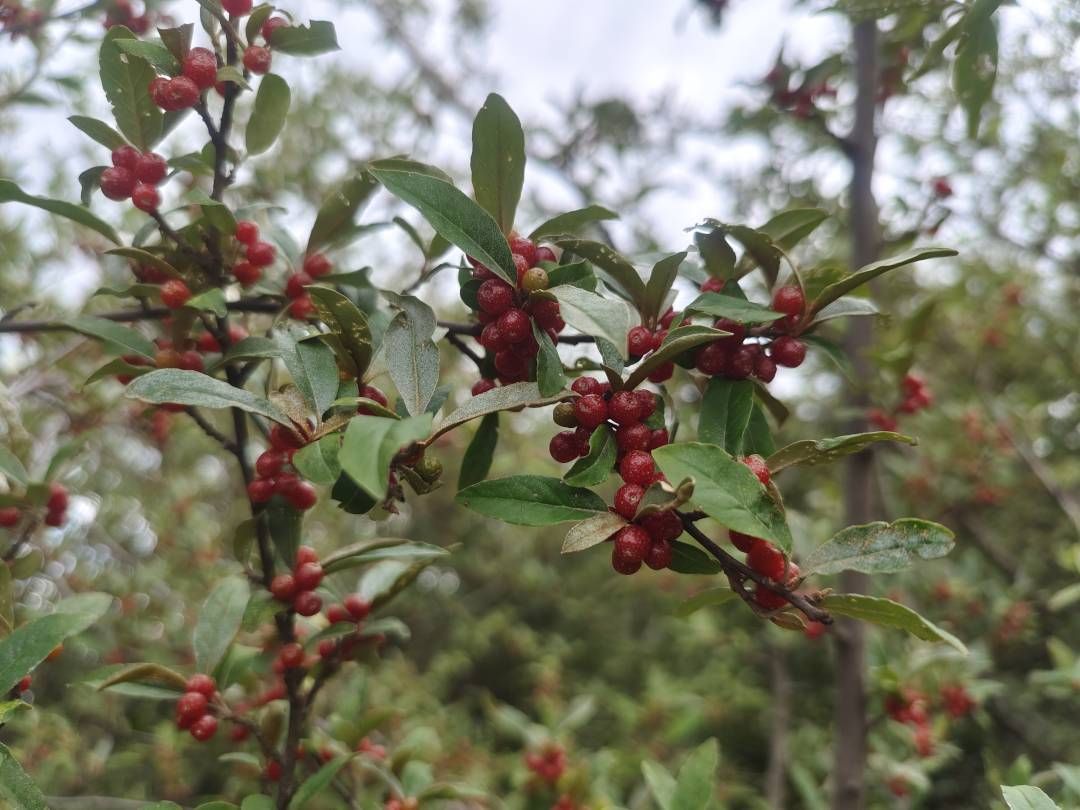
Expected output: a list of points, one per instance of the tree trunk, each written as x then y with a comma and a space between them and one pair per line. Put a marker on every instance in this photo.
850, 746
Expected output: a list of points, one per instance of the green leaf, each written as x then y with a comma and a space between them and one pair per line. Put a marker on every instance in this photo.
579, 274
177, 40
596, 467
285, 526
688, 559
661, 783
29, 644
121, 338
339, 209
716, 253
790, 227
351, 498
589, 313
257, 802
144, 257
269, 114
378, 549
173, 385
318, 782
879, 547
614, 265
572, 221
318, 461
679, 340
694, 783
411, 354
550, 377
498, 160
760, 250
736, 309
661, 279
253, 347
214, 212
758, 436
348, 324
725, 413
305, 40
159, 57
726, 490
126, 80
10, 192
89, 182
98, 131
847, 308
503, 398
889, 614
592, 531
219, 621
16, 786
312, 368
137, 673
450, 212
1027, 797
531, 500
12, 467
212, 301
476, 463
10, 707
872, 271
821, 451
385, 580
259, 14
712, 597
975, 66
370, 445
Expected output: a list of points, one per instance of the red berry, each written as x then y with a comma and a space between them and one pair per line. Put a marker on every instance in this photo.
58, 498
246, 231
145, 197
316, 265
495, 296
514, 325
492, 339
237, 7
547, 313
658, 438
658, 338
175, 293
521, 267
768, 599
740, 363
157, 90
24, 683
246, 273
283, 587
270, 463
759, 468
200, 65
564, 447
177, 94
291, 655
327, 647
632, 542
151, 168
789, 300
633, 437
639, 341
511, 365
586, 386
482, 386
307, 603
662, 373
625, 408
296, 285
942, 188
637, 467
525, 248
281, 438
787, 351
126, 157
9, 516
713, 285
257, 58
305, 554
302, 308
239, 733
591, 411
54, 519
646, 403
659, 555
201, 683
270, 26
814, 630
627, 498
358, 606
712, 358
662, 526
273, 767
767, 560
667, 319
764, 368
191, 706
117, 183
337, 613
545, 254
302, 495
261, 254
308, 576
743, 542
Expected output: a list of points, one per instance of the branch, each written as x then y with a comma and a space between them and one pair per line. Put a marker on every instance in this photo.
23, 538
738, 573
210, 430
461, 346
474, 330
259, 305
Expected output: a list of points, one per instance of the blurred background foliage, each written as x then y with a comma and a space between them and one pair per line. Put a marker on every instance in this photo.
513, 645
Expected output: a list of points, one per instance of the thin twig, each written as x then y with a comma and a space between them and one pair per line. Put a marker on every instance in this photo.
462, 347
210, 430
258, 305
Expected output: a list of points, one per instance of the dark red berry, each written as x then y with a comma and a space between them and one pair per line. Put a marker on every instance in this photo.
789, 300
239, 733
296, 285
632, 542
767, 560
624, 564
178, 94
637, 467
302, 308
246, 231
942, 188
257, 58
662, 373
627, 498
302, 495
492, 339
514, 325
639, 341
261, 254
272, 25
495, 296
712, 358
202, 683
24, 683
117, 183
308, 576
510, 365
58, 498
269, 463
759, 468
126, 157
547, 313
9, 516
662, 526
591, 411
564, 447
768, 600
659, 555
175, 293
237, 7
658, 438
145, 197
358, 606
667, 319
281, 438
273, 767
291, 655
204, 728
191, 706
646, 403
157, 90
337, 613
200, 65
633, 437
713, 285
316, 265
482, 386
283, 587
743, 542
740, 363
624, 408
586, 386
190, 360
246, 273
525, 248
307, 603
764, 368
151, 168
787, 351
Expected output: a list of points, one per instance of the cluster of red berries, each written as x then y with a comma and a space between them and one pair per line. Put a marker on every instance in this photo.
802, 100
256, 58
257, 253
55, 509
507, 313
272, 478
122, 13
298, 588
956, 700
549, 763
168, 356
16, 19
134, 175
910, 707
194, 710
315, 266
916, 397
